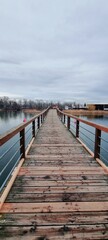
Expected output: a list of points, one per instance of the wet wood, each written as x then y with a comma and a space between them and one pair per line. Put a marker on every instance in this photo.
60, 192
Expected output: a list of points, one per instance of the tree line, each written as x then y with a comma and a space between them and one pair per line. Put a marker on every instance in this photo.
16, 105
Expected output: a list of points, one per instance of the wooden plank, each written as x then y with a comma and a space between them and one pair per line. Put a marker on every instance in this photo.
57, 164
34, 197
54, 168
72, 162
59, 232
68, 189
56, 183
54, 207
73, 177
56, 150
57, 156
49, 219
59, 172
66, 232
40, 145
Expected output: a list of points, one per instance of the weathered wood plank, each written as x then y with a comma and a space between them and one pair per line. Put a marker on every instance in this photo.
33, 183
49, 219
98, 231
27, 197
60, 189
59, 172
65, 168
54, 207
40, 145
73, 177
73, 156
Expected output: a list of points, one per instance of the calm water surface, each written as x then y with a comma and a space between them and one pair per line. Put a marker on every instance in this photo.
102, 120
10, 119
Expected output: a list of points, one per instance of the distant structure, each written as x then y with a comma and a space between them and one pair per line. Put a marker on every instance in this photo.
96, 106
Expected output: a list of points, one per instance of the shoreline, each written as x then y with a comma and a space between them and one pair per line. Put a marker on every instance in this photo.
22, 110
86, 112
32, 111
72, 112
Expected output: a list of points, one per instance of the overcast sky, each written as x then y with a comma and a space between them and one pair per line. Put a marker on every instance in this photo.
54, 49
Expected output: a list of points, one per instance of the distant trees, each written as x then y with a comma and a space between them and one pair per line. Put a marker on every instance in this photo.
12, 104
16, 105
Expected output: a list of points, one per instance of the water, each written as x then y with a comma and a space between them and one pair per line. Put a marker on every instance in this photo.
11, 119
102, 120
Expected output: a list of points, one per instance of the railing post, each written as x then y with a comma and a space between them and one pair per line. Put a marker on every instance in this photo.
41, 119
97, 143
64, 119
68, 123
22, 143
77, 128
38, 126
33, 128
61, 117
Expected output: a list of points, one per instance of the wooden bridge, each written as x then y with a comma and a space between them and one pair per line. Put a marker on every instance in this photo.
60, 192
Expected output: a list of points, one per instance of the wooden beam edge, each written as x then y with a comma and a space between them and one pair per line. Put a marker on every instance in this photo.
10, 183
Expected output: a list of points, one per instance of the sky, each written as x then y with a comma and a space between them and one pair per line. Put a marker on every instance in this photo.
54, 50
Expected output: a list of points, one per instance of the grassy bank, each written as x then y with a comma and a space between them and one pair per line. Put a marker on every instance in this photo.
86, 112
32, 111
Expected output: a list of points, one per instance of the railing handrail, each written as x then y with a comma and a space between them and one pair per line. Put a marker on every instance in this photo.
9, 134
97, 126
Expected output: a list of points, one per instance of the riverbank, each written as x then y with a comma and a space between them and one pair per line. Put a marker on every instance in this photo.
32, 111
86, 112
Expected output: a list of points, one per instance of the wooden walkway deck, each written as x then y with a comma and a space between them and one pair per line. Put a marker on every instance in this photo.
60, 192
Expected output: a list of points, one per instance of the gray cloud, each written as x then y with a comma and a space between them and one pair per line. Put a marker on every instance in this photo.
54, 49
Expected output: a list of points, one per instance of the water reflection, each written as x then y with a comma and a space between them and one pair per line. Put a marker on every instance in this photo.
99, 119
11, 119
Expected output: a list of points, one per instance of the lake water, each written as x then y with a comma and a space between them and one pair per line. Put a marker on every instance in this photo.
10, 119
102, 120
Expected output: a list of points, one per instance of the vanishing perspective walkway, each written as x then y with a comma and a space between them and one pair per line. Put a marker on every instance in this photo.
60, 192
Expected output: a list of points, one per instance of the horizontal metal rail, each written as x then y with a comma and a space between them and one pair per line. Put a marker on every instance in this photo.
95, 134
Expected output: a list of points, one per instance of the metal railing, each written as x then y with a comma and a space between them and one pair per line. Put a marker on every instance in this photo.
13, 145
94, 136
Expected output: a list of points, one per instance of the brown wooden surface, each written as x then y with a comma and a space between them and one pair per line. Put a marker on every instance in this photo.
61, 192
